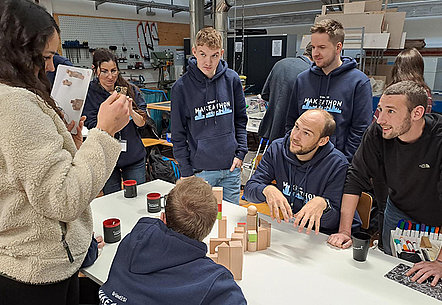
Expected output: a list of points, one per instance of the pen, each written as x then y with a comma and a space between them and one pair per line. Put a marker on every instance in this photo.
432, 232
417, 230
422, 230
410, 227
427, 228
397, 242
405, 233
410, 246
398, 227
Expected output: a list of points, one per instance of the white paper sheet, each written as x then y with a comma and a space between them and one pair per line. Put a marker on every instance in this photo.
70, 90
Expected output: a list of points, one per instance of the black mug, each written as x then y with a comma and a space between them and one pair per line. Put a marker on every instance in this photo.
130, 188
111, 230
154, 202
361, 244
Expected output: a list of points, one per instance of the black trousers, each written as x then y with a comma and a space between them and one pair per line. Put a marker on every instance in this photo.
17, 293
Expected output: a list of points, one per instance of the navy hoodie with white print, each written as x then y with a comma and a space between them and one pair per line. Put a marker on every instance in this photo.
345, 93
157, 266
323, 175
208, 119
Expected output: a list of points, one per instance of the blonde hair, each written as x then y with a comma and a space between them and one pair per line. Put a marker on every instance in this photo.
210, 37
191, 208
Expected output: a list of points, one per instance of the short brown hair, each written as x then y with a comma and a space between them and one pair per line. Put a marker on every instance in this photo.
415, 93
210, 37
191, 208
333, 28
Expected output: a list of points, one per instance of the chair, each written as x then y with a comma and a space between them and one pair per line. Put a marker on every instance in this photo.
364, 208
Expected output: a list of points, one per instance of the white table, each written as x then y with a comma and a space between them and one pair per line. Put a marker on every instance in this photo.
297, 268
129, 211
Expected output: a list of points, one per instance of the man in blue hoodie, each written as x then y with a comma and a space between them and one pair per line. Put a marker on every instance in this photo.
333, 83
164, 261
309, 173
208, 117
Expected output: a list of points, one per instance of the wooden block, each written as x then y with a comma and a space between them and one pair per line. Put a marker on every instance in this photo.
251, 246
242, 224
224, 255
237, 237
252, 222
239, 230
242, 237
218, 192
236, 259
213, 256
268, 226
222, 227
215, 242
252, 242
262, 239
425, 242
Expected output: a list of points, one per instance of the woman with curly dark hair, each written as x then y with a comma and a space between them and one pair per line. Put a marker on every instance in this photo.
47, 176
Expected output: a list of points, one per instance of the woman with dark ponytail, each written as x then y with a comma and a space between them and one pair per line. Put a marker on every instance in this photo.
131, 164
47, 176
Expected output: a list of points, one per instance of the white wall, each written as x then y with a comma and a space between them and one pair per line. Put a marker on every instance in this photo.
428, 28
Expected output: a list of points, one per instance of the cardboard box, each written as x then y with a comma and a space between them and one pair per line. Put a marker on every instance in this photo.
372, 21
394, 24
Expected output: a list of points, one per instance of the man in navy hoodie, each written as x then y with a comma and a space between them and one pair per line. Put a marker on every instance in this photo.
164, 261
309, 174
208, 117
334, 84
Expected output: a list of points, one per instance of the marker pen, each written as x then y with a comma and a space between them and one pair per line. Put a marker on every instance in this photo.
398, 228
405, 229
410, 246
397, 242
437, 234
404, 246
422, 230
432, 232
419, 252
427, 230
410, 227
425, 254
417, 230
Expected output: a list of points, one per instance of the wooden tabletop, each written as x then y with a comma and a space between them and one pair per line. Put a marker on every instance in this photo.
152, 142
165, 105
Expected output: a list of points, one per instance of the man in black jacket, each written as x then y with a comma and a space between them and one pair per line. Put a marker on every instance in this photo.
403, 148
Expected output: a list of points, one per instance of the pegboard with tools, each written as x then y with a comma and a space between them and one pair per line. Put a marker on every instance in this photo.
131, 40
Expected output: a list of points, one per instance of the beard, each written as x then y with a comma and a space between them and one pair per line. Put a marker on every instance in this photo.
396, 132
302, 150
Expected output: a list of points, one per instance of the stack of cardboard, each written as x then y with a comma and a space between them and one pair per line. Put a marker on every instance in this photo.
383, 28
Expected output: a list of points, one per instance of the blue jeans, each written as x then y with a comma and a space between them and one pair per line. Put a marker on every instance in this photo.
136, 171
230, 181
392, 216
